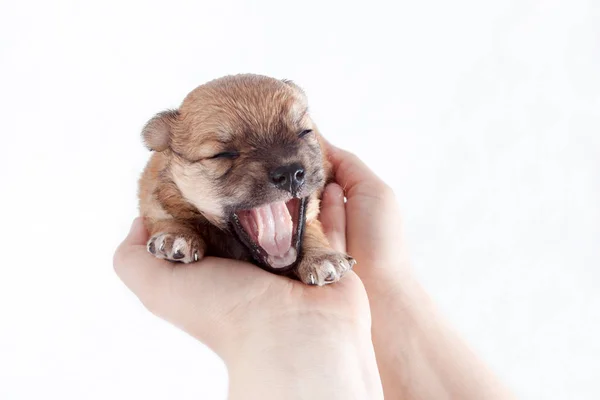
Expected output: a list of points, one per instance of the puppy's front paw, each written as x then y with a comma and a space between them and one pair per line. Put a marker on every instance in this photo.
324, 268
176, 247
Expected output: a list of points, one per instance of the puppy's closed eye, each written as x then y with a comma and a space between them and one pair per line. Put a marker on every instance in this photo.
228, 155
304, 133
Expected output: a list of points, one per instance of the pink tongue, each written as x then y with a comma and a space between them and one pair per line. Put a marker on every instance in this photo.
270, 226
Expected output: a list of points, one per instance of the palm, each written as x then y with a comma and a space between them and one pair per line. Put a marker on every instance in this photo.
213, 296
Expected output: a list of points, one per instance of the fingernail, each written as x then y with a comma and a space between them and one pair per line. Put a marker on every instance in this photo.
334, 190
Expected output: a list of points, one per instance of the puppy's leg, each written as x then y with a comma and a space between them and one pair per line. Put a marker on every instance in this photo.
321, 264
174, 240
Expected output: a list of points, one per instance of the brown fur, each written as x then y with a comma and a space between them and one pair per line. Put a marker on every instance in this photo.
187, 195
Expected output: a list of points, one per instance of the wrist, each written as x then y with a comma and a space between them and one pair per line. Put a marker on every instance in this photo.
309, 358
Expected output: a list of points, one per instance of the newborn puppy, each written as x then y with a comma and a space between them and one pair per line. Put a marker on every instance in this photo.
237, 172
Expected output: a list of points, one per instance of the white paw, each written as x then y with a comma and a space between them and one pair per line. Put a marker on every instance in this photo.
323, 269
178, 248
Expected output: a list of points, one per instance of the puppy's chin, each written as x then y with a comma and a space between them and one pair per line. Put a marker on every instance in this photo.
273, 232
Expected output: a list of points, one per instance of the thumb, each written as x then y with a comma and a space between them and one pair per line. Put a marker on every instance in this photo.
350, 171
137, 233
138, 269
333, 216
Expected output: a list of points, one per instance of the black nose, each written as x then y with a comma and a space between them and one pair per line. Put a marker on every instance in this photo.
288, 177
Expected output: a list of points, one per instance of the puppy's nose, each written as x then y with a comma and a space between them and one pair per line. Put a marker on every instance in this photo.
288, 177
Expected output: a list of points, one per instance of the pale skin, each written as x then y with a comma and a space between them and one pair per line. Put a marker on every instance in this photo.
371, 333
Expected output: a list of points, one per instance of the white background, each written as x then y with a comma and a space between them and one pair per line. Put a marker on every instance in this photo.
484, 116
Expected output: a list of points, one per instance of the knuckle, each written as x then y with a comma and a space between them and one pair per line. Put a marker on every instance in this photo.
349, 159
386, 191
350, 155
118, 259
151, 304
379, 190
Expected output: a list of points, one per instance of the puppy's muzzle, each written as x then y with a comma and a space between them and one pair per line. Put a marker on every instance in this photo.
288, 177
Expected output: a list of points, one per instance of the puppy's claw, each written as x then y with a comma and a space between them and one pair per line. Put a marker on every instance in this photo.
323, 267
351, 263
183, 248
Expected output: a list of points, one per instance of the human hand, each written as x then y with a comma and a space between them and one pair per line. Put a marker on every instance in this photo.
419, 356
279, 338
373, 224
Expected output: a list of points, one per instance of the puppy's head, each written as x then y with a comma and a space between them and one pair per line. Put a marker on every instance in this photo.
243, 150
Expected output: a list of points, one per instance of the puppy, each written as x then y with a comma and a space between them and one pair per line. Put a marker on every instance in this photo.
237, 172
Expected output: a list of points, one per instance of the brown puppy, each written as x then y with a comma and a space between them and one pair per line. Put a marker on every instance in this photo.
237, 172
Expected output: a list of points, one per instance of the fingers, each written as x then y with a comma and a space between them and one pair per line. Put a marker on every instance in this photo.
136, 237
137, 233
138, 269
333, 216
166, 288
349, 170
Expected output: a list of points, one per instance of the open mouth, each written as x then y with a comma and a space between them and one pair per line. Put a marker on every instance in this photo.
273, 233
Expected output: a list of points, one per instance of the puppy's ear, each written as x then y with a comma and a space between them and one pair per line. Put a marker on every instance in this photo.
296, 88
157, 132
301, 103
